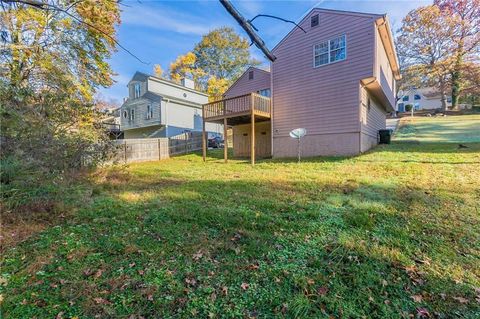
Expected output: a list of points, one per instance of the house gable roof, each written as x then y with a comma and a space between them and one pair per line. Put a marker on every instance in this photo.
382, 24
250, 68
329, 11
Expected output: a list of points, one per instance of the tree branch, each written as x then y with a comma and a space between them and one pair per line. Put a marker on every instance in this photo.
46, 6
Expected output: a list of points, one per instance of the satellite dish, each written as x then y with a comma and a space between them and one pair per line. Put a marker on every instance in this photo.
298, 133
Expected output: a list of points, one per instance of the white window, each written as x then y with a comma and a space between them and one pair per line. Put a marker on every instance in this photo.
149, 112
330, 51
136, 90
125, 114
132, 114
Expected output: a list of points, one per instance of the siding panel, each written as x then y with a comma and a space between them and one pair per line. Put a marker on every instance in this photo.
260, 81
324, 100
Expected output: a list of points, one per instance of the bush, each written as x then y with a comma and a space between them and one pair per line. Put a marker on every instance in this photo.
408, 107
46, 139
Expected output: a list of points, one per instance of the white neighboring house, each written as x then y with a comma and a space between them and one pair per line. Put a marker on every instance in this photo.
423, 99
156, 107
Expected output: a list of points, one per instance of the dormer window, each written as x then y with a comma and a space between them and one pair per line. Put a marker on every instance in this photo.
136, 90
250, 75
314, 21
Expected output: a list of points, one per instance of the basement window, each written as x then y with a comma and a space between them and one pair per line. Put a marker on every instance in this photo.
250, 75
314, 21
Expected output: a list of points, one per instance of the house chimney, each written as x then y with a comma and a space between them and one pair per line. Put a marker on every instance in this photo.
188, 83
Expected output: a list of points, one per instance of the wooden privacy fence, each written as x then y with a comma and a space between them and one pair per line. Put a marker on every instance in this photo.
152, 149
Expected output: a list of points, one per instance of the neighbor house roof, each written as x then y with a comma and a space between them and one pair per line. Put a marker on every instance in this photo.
139, 76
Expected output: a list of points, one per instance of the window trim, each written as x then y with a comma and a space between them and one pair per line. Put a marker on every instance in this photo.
328, 40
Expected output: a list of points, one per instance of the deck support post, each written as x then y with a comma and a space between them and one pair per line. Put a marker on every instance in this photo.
204, 137
225, 140
252, 133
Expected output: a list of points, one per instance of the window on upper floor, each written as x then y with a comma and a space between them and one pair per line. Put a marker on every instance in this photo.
136, 90
265, 92
406, 98
125, 114
417, 97
250, 75
314, 21
330, 51
149, 112
132, 115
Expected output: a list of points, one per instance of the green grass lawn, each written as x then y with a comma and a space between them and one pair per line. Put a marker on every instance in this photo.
450, 129
393, 233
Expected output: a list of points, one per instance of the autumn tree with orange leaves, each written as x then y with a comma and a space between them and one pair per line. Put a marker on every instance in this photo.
439, 43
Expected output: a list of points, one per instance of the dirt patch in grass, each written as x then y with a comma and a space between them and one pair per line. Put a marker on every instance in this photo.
22, 222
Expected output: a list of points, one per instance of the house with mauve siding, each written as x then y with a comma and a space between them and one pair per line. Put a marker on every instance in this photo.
336, 78
252, 80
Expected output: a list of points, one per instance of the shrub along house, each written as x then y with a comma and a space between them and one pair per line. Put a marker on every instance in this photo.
156, 107
337, 80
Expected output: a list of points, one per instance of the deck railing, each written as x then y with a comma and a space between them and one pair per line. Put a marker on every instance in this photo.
238, 105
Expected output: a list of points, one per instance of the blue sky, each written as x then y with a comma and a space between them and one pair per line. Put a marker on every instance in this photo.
158, 31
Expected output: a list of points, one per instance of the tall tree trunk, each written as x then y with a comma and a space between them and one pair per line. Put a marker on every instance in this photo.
443, 95
456, 75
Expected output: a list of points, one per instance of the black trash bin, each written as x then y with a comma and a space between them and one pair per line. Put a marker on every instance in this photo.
385, 136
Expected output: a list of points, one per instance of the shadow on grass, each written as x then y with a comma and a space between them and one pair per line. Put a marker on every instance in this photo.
170, 247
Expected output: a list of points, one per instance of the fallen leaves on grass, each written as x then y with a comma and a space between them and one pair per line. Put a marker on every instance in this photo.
423, 313
198, 255
192, 282
245, 286
417, 298
225, 291
461, 300
101, 301
322, 291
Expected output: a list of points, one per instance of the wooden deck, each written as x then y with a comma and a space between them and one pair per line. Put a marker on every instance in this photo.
243, 109
238, 110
